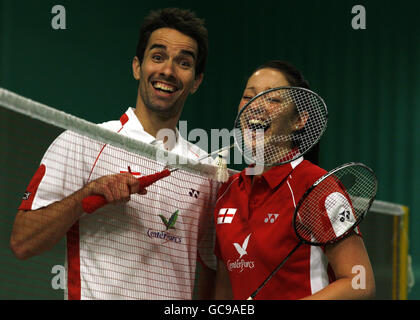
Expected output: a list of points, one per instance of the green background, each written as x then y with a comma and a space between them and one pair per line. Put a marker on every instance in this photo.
369, 79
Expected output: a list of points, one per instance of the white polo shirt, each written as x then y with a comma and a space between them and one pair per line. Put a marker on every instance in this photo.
128, 251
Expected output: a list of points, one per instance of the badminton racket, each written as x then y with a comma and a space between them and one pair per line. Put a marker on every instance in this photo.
275, 127
331, 208
94, 202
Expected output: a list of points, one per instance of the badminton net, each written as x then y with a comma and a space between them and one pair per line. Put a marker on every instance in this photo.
147, 248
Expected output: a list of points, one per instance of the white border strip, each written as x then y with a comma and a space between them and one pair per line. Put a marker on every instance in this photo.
389, 208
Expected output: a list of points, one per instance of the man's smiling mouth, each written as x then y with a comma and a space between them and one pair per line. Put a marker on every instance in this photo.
164, 87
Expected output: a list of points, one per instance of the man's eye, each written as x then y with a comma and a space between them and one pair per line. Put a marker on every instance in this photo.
185, 64
247, 98
157, 57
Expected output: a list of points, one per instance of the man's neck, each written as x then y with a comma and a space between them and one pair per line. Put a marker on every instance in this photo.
152, 123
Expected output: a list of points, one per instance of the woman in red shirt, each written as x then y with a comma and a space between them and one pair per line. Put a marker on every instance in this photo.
253, 219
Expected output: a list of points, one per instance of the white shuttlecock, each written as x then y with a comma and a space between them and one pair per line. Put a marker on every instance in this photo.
222, 174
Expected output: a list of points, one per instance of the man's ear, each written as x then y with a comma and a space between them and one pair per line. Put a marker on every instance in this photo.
197, 83
136, 68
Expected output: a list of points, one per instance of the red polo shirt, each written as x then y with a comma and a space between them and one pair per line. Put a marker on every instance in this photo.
255, 233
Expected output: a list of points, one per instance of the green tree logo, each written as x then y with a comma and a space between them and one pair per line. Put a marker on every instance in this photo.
169, 224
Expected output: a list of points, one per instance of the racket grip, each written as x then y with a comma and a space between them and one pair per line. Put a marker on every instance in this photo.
94, 202
152, 178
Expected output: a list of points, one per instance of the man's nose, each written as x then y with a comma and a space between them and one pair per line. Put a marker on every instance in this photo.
168, 69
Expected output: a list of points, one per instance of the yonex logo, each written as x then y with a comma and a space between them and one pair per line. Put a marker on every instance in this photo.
344, 215
339, 212
271, 217
194, 193
226, 215
26, 195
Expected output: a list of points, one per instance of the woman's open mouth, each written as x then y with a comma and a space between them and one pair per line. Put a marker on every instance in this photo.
259, 124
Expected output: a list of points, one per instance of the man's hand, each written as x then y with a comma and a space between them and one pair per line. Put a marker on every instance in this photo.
116, 187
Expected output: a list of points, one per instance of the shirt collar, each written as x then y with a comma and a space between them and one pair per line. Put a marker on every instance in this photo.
276, 174
134, 128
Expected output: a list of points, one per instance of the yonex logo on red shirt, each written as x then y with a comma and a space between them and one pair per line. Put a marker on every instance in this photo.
271, 217
226, 215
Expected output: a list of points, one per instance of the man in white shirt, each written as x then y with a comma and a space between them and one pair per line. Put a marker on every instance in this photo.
143, 244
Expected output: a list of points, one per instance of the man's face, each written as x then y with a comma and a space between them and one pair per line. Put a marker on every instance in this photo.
167, 73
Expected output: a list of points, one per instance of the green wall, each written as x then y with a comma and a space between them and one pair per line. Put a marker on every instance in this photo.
369, 78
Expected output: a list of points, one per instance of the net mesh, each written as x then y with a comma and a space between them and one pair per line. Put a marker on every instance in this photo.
336, 204
280, 125
24, 140
146, 248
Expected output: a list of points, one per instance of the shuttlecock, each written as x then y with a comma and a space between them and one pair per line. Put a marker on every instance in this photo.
222, 174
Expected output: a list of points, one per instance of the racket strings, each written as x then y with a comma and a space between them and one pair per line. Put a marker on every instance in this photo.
280, 125
335, 206
316, 117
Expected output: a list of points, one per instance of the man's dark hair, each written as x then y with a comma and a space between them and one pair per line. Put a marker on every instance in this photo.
182, 20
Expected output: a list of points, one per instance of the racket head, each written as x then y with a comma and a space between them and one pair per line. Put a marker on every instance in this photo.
280, 125
335, 204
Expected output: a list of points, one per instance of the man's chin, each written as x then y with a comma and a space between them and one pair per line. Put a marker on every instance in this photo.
163, 110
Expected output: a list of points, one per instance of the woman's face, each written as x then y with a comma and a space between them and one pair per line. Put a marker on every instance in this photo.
260, 81
269, 122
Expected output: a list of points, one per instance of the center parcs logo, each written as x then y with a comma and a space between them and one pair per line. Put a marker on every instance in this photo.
165, 235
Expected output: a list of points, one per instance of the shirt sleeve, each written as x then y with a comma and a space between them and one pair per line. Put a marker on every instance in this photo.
326, 213
61, 172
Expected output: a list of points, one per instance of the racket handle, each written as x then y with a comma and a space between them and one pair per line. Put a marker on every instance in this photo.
94, 202
152, 178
